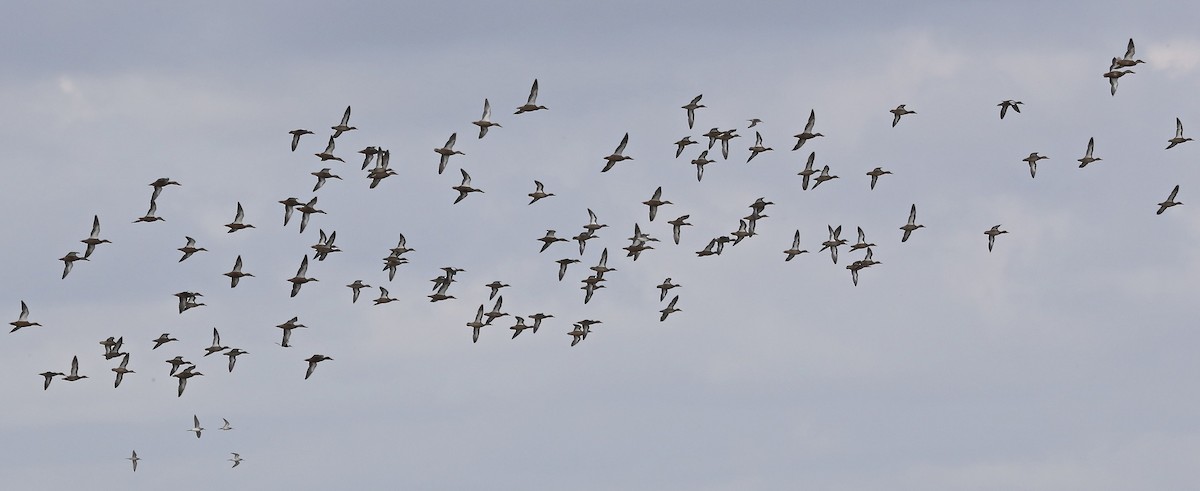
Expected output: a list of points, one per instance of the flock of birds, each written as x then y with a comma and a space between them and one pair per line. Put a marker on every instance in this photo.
376, 165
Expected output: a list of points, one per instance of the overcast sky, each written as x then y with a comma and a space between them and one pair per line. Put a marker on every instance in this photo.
1063, 359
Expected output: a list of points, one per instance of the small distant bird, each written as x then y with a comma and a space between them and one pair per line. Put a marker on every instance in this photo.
670, 309
93, 239
74, 374
725, 136
665, 287
539, 193
862, 241
401, 247
322, 175
381, 171
602, 266
306, 211
288, 206
465, 187
23, 320
531, 103
579, 333
216, 344
712, 135
183, 377
175, 363
237, 459
237, 220
1169, 202
807, 134
758, 147
1008, 103
495, 313
344, 125
236, 274
854, 269
383, 296
495, 287
287, 328
911, 225
1113, 77
685, 141
149, 216
753, 122
1032, 160
296, 134
226, 426
300, 279
162, 339
590, 288
582, 238
485, 121
121, 370
134, 460
356, 286
196, 426
824, 176
691, 108
897, 112
655, 201
190, 248
158, 186
875, 173
834, 241
187, 300
992, 233
233, 354
617, 155
519, 326
794, 251
537, 320
327, 154
808, 170
442, 284
549, 239
476, 324
1087, 157
700, 162
593, 224
68, 260
1127, 60
742, 232
390, 264
324, 246
312, 364
1178, 135
446, 152
676, 226
562, 266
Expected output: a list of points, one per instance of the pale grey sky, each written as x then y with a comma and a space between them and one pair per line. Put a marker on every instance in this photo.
1058, 361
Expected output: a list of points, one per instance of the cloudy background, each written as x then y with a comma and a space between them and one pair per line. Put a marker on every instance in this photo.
1062, 360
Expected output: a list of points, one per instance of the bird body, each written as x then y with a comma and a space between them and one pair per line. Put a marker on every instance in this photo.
991, 235
911, 225
23, 320
237, 223
485, 121
531, 103
691, 108
1169, 202
617, 155
897, 112
446, 152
